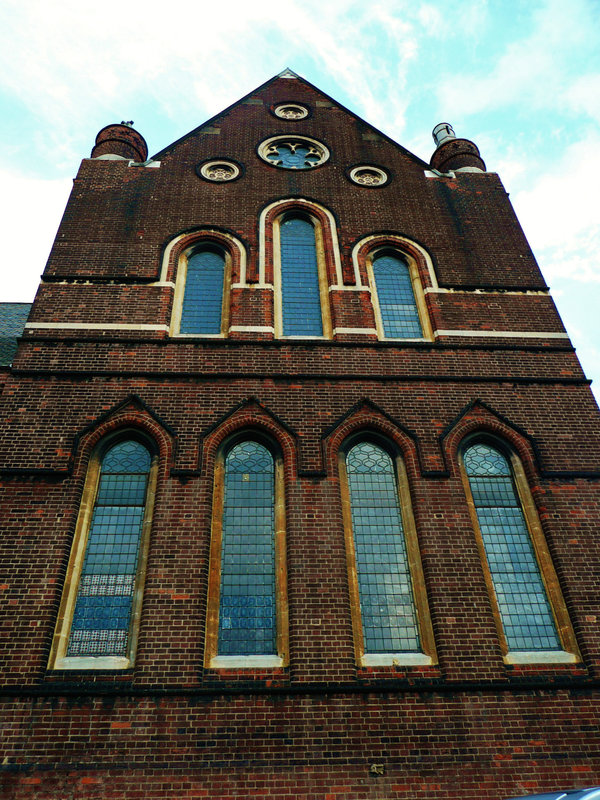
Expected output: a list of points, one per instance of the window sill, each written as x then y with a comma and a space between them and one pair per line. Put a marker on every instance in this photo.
245, 662
92, 662
396, 660
541, 657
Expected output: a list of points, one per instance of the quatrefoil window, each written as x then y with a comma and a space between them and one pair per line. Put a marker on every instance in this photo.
297, 152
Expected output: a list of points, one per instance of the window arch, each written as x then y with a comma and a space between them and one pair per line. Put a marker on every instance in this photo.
531, 616
397, 294
247, 603
301, 286
101, 605
202, 291
390, 611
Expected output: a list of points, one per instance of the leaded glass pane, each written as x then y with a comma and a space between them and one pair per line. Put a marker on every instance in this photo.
104, 601
524, 608
247, 614
384, 583
300, 295
294, 156
203, 298
397, 304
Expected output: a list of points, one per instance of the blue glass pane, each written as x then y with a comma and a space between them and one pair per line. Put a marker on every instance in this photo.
247, 614
129, 456
396, 298
300, 295
524, 608
203, 298
294, 156
384, 583
105, 595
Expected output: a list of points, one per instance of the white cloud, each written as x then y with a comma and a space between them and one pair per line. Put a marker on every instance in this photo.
560, 213
533, 70
31, 218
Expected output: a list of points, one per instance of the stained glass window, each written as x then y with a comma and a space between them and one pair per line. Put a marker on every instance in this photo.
384, 583
103, 607
525, 611
247, 613
300, 294
203, 298
397, 305
294, 156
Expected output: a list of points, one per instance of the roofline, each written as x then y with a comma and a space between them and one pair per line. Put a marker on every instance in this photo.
168, 148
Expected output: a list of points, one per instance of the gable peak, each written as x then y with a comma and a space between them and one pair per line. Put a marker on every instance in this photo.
288, 73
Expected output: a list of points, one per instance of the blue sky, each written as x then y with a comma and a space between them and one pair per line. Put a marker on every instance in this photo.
522, 79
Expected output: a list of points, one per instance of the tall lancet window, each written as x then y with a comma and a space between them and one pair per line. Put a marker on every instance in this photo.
202, 309
102, 600
390, 613
247, 615
300, 286
530, 611
398, 311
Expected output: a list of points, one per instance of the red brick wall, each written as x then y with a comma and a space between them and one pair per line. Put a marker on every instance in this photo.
168, 728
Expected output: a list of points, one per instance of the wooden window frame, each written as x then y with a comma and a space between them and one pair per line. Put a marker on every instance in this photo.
321, 270
58, 659
212, 660
570, 650
428, 654
417, 288
181, 282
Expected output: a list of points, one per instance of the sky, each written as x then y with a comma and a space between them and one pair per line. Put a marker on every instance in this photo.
520, 78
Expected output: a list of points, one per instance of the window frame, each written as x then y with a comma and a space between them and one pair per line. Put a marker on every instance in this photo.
58, 659
570, 650
321, 272
212, 659
428, 654
417, 288
181, 283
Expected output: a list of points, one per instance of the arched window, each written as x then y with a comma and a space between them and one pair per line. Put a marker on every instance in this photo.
204, 278
247, 599
525, 592
398, 312
390, 610
101, 604
302, 292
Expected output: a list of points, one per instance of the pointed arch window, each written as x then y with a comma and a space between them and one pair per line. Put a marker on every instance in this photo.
389, 604
301, 284
247, 605
530, 612
100, 610
202, 298
397, 296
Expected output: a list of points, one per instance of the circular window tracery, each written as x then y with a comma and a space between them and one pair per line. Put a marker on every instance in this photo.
218, 171
290, 111
293, 152
368, 175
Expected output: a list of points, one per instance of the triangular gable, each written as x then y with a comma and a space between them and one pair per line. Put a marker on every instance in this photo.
286, 77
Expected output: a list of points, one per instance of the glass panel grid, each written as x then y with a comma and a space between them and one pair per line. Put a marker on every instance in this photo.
397, 305
300, 294
247, 614
385, 590
104, 601
203, 297
524, 607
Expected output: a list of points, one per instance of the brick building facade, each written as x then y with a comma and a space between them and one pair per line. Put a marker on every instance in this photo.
299, 479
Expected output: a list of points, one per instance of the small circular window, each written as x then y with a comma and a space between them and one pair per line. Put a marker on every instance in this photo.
218, 171
293, 152
368, 176
290, 111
